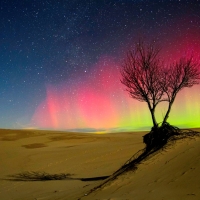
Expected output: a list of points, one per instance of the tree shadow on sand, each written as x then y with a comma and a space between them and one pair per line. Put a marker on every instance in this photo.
44, 176
154, 144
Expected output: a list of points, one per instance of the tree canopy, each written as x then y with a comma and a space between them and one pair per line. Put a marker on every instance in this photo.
147, 79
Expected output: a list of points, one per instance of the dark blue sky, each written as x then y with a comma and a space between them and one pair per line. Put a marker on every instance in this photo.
52, 41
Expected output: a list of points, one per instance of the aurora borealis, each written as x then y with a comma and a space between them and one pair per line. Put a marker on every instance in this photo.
103, 105
60, 62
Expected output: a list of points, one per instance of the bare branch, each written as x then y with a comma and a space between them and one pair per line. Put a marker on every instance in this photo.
148, 80
140, 74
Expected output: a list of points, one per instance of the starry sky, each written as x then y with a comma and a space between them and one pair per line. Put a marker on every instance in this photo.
60, 60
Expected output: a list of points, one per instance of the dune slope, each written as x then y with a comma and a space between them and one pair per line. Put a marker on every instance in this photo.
171, 174
82, 155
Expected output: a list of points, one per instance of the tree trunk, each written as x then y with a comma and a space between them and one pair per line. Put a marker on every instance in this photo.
153, 117
167, 113
152, 111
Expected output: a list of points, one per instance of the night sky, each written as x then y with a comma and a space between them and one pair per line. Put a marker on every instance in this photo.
60, 61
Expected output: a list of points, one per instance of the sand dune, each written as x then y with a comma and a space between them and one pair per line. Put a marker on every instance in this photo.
172, 174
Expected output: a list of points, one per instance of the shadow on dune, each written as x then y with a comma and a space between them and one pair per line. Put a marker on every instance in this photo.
154, 145
43, 176
150, 150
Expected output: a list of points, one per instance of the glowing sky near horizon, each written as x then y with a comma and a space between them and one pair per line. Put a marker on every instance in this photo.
101, 104
60, 62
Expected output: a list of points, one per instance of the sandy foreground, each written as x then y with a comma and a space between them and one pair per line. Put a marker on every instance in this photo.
172, 174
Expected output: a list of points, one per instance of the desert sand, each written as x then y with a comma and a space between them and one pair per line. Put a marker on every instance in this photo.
170, 174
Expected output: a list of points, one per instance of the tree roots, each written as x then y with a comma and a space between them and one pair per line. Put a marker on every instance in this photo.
159, 136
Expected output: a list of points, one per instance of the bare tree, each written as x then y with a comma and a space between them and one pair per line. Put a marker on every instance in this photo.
179, 75
141, 74
146, 79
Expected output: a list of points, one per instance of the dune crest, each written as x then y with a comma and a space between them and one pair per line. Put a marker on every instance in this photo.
68, 165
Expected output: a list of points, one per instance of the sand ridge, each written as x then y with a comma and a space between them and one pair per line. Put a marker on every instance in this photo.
171, 174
